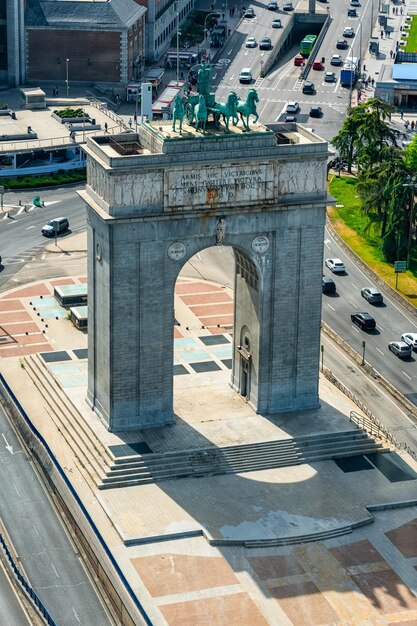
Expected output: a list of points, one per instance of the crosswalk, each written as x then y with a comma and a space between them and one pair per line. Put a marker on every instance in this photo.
23, 257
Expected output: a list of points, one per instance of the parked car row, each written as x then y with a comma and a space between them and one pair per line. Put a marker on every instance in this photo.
365, 321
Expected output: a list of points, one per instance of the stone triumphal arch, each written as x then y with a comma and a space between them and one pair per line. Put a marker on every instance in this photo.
156, 198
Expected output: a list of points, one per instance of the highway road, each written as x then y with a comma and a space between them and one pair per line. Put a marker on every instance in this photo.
282, 83
11, 611
47, 555
21, 240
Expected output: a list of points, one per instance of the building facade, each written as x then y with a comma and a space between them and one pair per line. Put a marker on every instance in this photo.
12, 42
162, 20
82, 41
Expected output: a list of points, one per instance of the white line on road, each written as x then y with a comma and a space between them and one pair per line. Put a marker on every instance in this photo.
29, 227
354, 328
380, 351
353, 304
54, 568
332, 308
380, 327
353, 284
370, 381
76, 616
406, 375
16, 490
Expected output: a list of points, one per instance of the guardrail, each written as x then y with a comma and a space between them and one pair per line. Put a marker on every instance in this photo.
316, 47
29, 592
6, 389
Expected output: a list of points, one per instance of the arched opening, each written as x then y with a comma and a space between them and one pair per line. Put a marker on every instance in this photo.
217, 327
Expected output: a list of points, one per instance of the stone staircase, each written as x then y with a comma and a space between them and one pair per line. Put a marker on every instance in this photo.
108, 472
93, 457
149, 468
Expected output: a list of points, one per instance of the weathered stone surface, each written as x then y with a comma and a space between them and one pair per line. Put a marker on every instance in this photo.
159, 201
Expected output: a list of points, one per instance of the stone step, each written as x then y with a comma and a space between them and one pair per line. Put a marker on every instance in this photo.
66, 427
169, 473
86, 429
149, 459
306, 538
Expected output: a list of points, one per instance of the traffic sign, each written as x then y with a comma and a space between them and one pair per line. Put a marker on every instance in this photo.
400, 267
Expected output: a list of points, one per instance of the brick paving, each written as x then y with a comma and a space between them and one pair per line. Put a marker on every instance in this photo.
367, 577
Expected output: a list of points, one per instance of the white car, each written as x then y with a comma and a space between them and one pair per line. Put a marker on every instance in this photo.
336, 59
348, 32
245, 75
251, 42
335, 265
292, 107
411, 339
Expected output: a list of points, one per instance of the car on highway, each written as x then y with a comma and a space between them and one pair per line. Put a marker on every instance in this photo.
348, 32
290, 118
410, 339
352, 13
249, 12
335, 265
57, 225
292, 106
265, 43
316, 111
372, 295
355, 3
329, 77
309, 88
251, 42
336, 59
400, 348
298, 60
276, 23
364, 320
287, 6
342, 44
272, 6
328, 285
318, 65
245, 75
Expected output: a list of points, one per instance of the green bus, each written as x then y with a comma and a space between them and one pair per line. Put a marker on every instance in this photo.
307, 44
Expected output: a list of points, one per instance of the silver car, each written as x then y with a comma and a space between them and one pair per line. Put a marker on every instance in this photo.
400, 348
372, 295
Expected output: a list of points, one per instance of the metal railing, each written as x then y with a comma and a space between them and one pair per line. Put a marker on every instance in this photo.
24, 585
373, 426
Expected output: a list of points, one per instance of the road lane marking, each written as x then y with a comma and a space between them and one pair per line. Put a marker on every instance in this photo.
16, 490
380, 327
332, 308
354, 328
380, 351
54, 568
353, 284
353, 304
406, 375
352, 364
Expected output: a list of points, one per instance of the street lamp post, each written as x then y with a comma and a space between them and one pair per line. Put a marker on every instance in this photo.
67, 81
205, 22
412, 184
363, 352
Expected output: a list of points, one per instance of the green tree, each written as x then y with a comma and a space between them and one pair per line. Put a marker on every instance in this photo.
347, 138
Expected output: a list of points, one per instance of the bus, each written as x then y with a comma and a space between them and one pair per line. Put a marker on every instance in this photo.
307, 44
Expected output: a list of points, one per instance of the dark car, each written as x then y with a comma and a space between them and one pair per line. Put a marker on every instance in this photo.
265, 43
316, 112
352, 13
363, 320
249, 13
342, 44
272, 6
309, 88
328, 285
372, 295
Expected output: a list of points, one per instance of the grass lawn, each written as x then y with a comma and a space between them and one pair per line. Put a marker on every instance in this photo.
350, 224
412, 38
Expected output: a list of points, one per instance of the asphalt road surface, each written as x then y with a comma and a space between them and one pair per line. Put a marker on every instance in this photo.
48, 557
11, 611
283, 83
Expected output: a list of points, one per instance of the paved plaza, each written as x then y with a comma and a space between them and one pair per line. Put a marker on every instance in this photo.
181, 543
